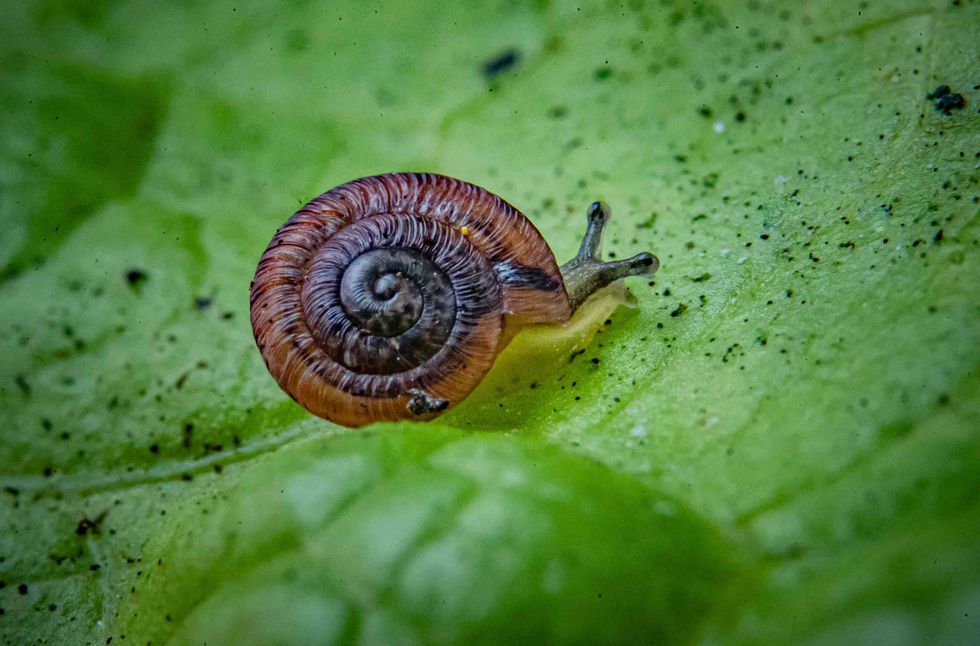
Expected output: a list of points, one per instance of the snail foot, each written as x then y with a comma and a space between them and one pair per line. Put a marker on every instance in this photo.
422, 402
586, 272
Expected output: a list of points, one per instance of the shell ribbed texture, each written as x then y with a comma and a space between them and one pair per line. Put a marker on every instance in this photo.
425, 312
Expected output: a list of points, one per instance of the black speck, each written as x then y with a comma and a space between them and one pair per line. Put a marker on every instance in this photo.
90, 526
501, 63
22, 383
945, 100
202, 303
22, 588
679, 311
136, 277
939, 236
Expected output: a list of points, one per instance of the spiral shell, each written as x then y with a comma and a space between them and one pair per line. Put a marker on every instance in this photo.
395, 287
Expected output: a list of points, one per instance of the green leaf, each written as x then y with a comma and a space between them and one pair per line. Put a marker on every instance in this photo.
430, 535
775, 440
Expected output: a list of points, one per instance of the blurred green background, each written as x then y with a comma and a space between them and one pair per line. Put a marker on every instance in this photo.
780, 441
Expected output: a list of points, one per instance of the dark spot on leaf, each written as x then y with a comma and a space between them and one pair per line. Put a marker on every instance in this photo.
558, 112
679, 311
895, 430
501, 63
22, 383
945, 100
136, 277
648, 223
90, 526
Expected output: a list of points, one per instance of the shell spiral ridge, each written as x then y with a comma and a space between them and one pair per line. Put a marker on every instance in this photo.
395, 284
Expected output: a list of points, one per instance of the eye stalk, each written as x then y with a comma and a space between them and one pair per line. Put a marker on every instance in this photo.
586, 273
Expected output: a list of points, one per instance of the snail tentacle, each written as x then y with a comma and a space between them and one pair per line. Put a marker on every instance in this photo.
586, 272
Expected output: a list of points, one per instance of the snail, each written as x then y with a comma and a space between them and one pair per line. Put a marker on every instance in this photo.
389, 297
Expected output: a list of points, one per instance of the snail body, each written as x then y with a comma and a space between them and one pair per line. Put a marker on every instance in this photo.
389, 297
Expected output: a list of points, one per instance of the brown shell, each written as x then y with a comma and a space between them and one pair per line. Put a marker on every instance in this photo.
481, 234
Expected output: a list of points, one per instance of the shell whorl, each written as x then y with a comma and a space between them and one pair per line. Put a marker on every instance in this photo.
395, 284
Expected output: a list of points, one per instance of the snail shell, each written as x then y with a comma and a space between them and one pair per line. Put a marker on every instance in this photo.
387, 297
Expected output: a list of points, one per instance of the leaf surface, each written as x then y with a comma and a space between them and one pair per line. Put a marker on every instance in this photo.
777, 441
